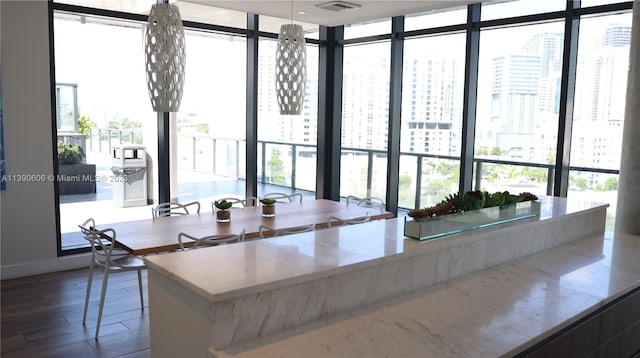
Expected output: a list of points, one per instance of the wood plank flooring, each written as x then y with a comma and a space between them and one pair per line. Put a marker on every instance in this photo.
41, 316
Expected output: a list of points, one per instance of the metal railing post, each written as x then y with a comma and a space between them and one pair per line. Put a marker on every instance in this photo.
193, 154
215, 149
110, 141
237, 158
293, 166
478, 174
418, 181
264, 155
550, 180
369, 171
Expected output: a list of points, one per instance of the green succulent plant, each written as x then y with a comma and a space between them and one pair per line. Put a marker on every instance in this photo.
471, 200
222, 204
268, 201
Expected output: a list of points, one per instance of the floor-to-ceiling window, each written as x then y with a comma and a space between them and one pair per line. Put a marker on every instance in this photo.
102, 104
286, 143
598, 115
365, 120
432, 100
210, 127
518, 106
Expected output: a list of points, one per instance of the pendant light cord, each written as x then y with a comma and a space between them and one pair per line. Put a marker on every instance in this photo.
291, 12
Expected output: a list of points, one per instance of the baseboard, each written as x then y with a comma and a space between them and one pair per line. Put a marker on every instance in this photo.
45, 266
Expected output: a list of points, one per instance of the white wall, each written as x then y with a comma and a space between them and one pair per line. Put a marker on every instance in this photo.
27, 218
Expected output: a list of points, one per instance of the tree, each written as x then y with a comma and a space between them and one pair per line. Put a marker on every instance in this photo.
405, 193
609, 185
276, 168
578, 183
85, 124
483, 150
538, 175
496, 151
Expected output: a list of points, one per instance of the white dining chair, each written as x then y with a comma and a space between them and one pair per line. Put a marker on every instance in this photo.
236, 202
268, 231
103, 255
173, 208
210, 240
369, 202
284, 198
333, 221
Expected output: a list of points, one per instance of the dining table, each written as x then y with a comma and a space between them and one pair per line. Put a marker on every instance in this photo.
149, 236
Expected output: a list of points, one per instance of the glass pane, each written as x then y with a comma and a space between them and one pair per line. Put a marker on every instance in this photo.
435, 19
305, 167
513, 178
518, 95
432, 101
596, 187
365, 117
288, 130
353, 173
210, 126
439, 179
520, 8
66, 107
379, 27
113, 109
278, 165
601, 84
407, 179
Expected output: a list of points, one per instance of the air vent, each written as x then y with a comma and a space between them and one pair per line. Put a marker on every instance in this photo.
338, 6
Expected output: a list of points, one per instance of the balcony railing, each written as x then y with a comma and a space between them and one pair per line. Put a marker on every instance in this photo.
279, 162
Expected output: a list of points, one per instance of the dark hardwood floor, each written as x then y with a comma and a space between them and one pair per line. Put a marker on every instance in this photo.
41, 316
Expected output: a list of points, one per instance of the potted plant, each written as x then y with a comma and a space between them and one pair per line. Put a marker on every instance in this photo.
268, 207
74, 176
223, 215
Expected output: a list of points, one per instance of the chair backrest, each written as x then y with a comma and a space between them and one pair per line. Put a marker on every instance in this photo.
171, 209
102, 242
268, 231
250, 201
369, 202
284, 198
211, 240
335, 221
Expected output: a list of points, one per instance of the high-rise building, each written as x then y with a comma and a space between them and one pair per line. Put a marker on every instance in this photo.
514, 89
433, 114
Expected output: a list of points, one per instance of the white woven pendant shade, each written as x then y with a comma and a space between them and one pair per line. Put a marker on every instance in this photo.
165, 57
291, 69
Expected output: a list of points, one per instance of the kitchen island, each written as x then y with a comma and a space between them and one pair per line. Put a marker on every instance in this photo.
368, 290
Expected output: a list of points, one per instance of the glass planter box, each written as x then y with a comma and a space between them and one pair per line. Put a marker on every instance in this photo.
445, 225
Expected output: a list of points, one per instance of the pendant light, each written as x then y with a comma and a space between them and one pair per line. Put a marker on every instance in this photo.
291, 68
165, 57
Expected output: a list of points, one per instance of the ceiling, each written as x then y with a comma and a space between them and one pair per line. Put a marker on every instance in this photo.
369, 10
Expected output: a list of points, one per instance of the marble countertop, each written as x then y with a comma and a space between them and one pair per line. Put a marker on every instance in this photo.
264, 264
495, 312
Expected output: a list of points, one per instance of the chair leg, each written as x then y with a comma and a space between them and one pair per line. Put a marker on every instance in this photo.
105, 277
140, 287
86, 298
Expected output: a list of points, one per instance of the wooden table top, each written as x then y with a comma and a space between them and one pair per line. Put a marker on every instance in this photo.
144, 237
